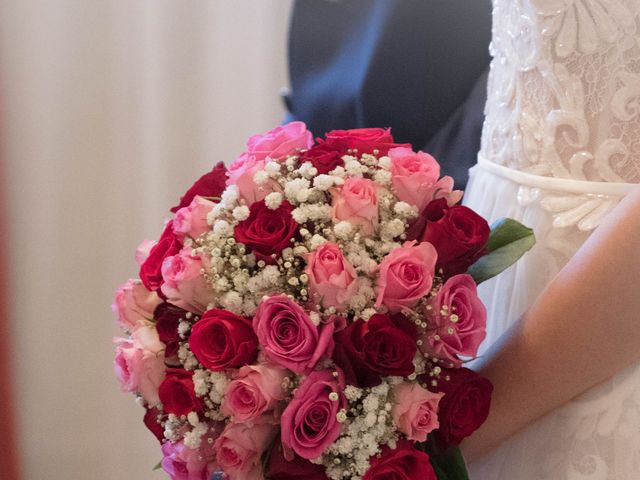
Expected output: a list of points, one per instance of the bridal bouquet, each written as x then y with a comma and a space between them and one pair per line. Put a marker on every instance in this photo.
307, 314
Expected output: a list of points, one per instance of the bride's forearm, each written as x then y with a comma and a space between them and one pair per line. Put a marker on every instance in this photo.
583, 329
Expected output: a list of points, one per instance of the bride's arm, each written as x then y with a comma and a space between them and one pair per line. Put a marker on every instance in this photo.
583, 329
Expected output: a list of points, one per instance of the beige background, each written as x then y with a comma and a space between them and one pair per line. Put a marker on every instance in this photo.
110, 109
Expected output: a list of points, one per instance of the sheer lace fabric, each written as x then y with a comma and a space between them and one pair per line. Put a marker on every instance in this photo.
563, 103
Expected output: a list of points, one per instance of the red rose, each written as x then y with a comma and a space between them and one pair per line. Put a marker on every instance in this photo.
267, 232
383, 346
323, 157
211, 184
296, 469
365, 140
151, 422
465, 405
177, 393
151, 269
167, 317
222, 340
403, 463
458, 233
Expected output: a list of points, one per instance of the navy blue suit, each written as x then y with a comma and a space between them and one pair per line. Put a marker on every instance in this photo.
417, 66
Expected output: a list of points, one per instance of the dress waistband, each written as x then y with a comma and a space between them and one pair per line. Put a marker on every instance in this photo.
618, 189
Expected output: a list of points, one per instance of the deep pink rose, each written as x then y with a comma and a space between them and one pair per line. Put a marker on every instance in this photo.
356, 201
415, 177
184, 463
167, 318
415, 410
332, 279
405, 275
288, 335
323, 157
457, 321
267, 232
309, 423
465, 405
184, 284
177, 393
192, 220
383, 346
210, 185
365, 140
297, 468
240, 448
221, 340
134, 304
256, 390
151, 270
279, 142
402, 463
139, 363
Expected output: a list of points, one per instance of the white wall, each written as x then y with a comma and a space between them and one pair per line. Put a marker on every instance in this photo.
109, 110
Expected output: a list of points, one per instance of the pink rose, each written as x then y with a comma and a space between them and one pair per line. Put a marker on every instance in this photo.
415, 178
356, 201
134, 304
331, 276
458, 320
281, 141
192, 220
143, 250
184, 463
240, 448
139, 363
405, 275
241, 173
309, 424
415, 410
184, 285
257, 390
288, 335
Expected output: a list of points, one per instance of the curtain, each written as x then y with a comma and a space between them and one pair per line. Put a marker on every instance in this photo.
110, 110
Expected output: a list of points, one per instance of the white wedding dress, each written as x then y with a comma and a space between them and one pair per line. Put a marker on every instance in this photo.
560, 147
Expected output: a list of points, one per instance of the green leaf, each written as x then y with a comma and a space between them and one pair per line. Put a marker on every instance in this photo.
508, 241
450, 465
158, 466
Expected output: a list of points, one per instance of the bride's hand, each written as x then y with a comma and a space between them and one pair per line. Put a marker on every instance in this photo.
583, 329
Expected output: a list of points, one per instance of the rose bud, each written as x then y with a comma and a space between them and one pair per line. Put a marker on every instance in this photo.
405, 275
365, 140
402, 463
309, 423
191, 220
177, 393
288, 335
324, 158
465, 405
457, 321
458, 233
332, 279
221, 340
415, 410
211, 184
184, 285
267, 232
356, 201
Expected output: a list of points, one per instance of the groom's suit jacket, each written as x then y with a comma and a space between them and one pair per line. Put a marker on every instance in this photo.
417, 66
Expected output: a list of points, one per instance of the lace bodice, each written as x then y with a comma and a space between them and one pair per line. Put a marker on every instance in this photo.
564, 89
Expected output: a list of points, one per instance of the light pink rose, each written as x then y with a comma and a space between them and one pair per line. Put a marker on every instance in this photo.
288, 335
240, 448
184, 285
183, 463
241, 173
415, 178
405, 275
332, 279
257, 390
139, 363
142, 252
356, 201
459, 329
134, 304
279, 142
192, 220
309, 424
415, 410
